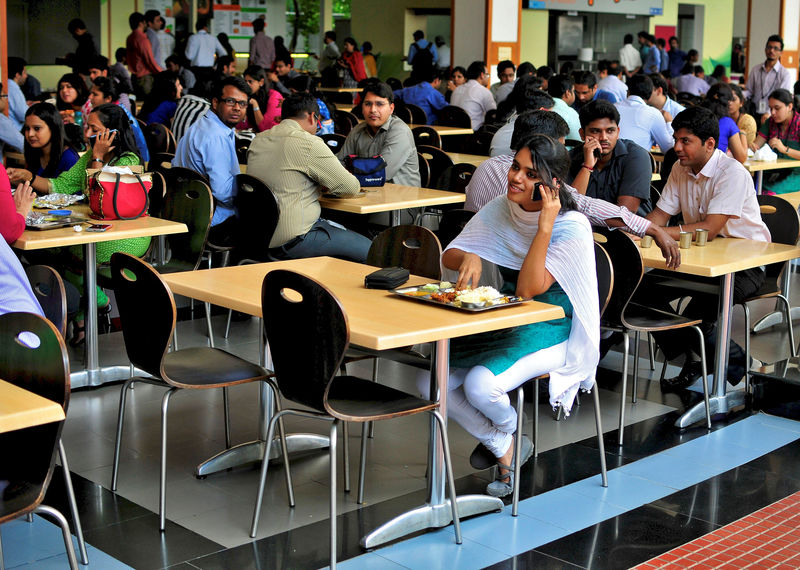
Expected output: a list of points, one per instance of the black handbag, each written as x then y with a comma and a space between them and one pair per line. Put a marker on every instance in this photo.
370, 171
386, 278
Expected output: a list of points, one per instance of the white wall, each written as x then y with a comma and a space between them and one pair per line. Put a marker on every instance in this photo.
469, 23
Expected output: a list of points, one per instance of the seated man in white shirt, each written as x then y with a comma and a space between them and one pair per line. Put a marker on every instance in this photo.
661, 101
473, 96
640, 123
609, 73
530, 100
714, 192
562, 89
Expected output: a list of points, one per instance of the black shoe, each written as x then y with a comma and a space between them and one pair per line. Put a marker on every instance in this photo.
690, 372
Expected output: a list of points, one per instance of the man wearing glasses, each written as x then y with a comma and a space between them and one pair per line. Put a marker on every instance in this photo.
766, 77
209, 148
297, 165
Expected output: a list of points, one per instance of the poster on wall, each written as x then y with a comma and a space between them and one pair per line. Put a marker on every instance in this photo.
236, 20
638, 7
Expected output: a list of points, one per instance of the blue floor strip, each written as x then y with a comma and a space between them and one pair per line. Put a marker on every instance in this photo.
495, 537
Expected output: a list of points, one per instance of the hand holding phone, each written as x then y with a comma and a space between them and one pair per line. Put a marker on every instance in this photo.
536, 195
94, 137
98, 227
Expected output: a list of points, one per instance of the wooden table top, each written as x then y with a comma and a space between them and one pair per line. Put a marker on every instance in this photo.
378, 319
757, 165
723, 255
462, 158
444, 131
120, 229
20, 408
340, 89
392, 197
344, 107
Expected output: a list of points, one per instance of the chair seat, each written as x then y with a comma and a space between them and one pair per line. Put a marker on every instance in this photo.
640, 318
18, 498
175, 266
356, 399
203, 367
405, 355
770, 288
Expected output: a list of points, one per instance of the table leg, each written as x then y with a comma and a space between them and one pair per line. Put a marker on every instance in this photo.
436, 512
394, 218
253, 451
759, 181
720, 402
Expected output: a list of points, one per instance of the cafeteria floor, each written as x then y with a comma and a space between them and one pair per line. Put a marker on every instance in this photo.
667, 487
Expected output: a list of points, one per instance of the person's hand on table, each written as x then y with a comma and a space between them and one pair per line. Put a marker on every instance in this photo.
23, 199
668, 246
103, 144
469, 271
19, 175
777, 144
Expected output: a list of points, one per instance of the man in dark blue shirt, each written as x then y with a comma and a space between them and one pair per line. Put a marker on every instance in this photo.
425, 95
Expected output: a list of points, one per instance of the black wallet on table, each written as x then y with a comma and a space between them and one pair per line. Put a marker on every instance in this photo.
386, 278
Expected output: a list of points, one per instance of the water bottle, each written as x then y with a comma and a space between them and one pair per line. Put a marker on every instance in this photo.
78, 118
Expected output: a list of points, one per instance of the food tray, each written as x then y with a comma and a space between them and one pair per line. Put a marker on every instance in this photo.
419, 293
54, 222
49, 201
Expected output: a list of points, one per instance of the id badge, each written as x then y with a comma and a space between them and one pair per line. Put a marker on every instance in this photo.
762, 107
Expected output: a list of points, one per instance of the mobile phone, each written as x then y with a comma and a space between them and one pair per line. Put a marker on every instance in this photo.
98, 227
596, 153
537, 192
94, 137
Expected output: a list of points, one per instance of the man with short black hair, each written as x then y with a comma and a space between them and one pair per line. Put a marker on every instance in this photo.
297, 165
659, 99
692, 81
640, 123
533, 100
99, 68
201, 49
586, 90
525, 68
140, 58
262, 47
327, 60
226, 66
545, 72
606, 166
187, 78
17, 105
562, 89
612, 82
766, 77
382, 133
119, 72
677, 57
10, 134
473, 96
154, 22
86, 49
283, 74
652, 59
209, 147
661, 44
425, 95
629, 56
505, 71
713, 192
419, 44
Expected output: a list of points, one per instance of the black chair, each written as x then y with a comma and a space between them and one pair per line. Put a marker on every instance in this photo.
242, 147
402, 112
189, 202
572, 143
48, 287
425, 135
452, 116
424, 171
412, 247
418, 115
343, 122
160, 161
159, 139
480, 143
490, 118
451, 224
438, 160
605, 284
147, 312
783, 223
334, 141
33, 357
625, 316
307, 374
454, 179
394, 83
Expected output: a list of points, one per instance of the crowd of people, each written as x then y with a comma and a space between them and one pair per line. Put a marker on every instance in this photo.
535, 200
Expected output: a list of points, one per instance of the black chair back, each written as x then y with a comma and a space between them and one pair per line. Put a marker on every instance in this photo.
438, 160
242, 147
626, 260
173, 177
304, 360
402, 112
258, 217
424, 171
490, 118
334, 141
394, 83
48, 287
480, 143
160, 161
33, 357
343, 122
451, 224
412, 247
146, 311
189, 202
452, 116
159, 139
605, 276
455, 178
418, 114
783, 223
428, 136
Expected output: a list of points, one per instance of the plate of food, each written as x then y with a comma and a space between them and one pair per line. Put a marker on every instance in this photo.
49, 201
445, 294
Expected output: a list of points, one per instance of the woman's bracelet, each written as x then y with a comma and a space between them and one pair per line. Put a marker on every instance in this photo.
100, 160
587, 167
30, 182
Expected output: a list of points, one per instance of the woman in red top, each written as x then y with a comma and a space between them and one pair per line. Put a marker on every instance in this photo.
264, 106
13, 209
353, 63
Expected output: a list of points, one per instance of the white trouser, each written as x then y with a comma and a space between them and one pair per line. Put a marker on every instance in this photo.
478, 399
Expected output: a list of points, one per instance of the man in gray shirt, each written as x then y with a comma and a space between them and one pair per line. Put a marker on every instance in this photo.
155, 22
381, 133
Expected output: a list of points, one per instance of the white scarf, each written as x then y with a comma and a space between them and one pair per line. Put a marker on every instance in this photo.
502, 233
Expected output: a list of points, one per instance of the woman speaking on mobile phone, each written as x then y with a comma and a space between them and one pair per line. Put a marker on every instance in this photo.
543, 249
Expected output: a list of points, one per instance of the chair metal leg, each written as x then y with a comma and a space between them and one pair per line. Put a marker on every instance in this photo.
517, 450
284, 448
174, 341
374, 379
535, 420
652, 351
73, 504
62, 522
120, 420
626, 345
790, 328
29, 518
263, 477
227, 413
664, 369
637, 342
451, 482
747, 332
208, 323
362, 469
346, 455
228, 324
162, 488
704, 366
334, 425
600, 443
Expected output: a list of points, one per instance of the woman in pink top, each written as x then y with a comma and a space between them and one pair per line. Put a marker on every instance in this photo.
264, 108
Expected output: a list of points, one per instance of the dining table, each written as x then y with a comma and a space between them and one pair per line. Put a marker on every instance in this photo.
20, 408
146, 226
720, 258
340, 89
378, 320
445, 130
758, 167
464, 158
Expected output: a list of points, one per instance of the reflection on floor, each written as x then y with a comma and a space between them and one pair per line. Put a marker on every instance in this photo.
208, 519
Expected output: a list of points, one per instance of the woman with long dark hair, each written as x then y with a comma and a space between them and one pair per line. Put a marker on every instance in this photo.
718, 100
745, 121
71, 96
543, 249
160, 104
264, 107
353, 64
781, 132
47, 152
